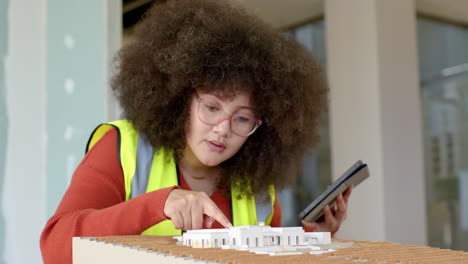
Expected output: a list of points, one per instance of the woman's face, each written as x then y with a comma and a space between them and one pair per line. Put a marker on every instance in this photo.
209, 145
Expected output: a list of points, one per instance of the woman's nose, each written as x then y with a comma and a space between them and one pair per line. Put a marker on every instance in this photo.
223, 128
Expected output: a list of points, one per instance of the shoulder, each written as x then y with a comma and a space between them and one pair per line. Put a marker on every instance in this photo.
103, 154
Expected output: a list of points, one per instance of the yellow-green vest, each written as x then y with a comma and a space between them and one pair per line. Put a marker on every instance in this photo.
146, 170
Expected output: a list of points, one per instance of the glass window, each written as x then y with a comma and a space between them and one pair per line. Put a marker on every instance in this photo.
316, 173
443, 56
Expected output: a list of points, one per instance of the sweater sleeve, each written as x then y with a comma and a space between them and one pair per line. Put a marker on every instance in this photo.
94, 204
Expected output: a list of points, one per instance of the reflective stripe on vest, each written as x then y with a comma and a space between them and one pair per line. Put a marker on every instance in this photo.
143, 168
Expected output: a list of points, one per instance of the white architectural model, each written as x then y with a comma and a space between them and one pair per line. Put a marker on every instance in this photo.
259, 239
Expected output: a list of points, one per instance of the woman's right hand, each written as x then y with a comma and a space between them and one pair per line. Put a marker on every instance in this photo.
193, 210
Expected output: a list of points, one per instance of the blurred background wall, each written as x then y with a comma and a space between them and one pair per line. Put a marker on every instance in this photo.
398, 74
23, 125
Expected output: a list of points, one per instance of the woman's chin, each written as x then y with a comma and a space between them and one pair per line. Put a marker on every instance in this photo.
211, 162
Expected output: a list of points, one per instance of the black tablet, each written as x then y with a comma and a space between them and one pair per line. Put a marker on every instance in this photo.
353, 176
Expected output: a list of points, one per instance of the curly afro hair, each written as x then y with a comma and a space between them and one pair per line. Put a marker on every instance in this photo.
219, 47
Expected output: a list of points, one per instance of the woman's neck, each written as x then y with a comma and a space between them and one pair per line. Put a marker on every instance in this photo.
198, 176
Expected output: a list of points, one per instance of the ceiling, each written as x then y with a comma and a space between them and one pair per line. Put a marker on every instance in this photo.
283, 14
450, 10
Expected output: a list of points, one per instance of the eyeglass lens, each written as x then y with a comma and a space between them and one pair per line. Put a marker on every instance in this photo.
241, 123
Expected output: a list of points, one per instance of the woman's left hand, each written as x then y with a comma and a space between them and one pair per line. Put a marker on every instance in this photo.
332, 218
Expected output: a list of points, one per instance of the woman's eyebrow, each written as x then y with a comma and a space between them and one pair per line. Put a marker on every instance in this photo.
248, 107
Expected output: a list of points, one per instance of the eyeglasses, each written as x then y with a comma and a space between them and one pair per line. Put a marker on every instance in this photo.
242, 124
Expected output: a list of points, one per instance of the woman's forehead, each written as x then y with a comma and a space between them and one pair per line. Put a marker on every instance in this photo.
227, 88
241, 98
227, 96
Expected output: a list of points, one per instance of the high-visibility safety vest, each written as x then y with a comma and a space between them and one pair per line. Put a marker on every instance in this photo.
146, 170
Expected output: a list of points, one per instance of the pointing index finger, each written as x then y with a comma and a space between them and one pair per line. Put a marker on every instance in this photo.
212, 210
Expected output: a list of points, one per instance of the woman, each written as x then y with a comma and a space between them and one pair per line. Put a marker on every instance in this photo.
220, 109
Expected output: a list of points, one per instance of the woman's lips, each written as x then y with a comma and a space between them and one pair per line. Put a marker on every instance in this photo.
216, 146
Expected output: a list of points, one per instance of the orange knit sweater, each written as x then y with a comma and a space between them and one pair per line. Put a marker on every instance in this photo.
94, 204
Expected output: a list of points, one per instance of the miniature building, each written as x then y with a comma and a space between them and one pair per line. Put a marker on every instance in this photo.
253, 237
